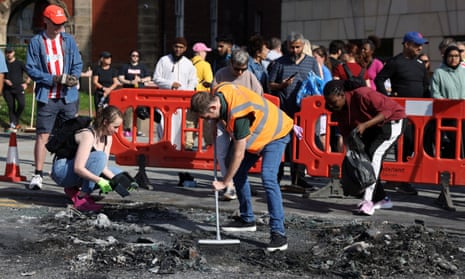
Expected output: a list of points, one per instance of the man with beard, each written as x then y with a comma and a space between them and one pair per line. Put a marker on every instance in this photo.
409, 79
224, 46
176, 72
286, 78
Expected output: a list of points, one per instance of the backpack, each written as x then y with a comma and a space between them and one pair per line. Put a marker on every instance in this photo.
354, 82
357, 171
62, 142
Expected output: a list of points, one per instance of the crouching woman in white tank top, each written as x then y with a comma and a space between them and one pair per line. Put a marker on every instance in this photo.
89, 168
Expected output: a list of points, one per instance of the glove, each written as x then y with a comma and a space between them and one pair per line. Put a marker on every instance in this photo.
104, 185
298, 131
65, 79
70, 80
133, 186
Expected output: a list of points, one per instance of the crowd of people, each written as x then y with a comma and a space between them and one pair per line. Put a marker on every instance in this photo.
242, 125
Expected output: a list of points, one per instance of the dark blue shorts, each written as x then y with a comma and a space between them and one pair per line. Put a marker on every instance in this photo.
49, 113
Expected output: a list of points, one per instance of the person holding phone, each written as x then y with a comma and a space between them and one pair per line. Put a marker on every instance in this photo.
292, 76
286, 77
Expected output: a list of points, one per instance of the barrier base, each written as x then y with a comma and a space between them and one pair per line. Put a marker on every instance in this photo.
293, 189
12, 178
333, 189
141, 176
445, 199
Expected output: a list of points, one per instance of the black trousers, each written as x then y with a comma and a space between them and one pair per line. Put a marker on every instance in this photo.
374, 138
16, 103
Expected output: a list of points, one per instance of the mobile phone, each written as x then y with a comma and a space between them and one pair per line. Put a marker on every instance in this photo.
293, 75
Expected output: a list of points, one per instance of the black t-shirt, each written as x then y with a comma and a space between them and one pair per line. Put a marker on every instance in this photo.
15, 75
408, 78
105, 77
129, 72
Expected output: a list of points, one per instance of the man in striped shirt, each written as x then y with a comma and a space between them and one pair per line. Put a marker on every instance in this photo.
286, 77
53, 61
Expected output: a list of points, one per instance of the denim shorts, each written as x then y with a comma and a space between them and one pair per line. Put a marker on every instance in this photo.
54, 110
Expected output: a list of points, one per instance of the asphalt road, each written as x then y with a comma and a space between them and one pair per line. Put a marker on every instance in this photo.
406, 210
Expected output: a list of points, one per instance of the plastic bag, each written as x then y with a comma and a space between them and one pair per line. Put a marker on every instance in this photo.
357, 171
312, 86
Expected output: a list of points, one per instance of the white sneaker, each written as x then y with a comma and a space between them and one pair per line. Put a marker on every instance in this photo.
230, 193
385, 203
36, 183
366, 208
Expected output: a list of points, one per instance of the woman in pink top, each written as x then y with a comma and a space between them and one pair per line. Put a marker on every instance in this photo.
374, 65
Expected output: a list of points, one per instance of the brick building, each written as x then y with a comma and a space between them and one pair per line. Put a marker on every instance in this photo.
147, 25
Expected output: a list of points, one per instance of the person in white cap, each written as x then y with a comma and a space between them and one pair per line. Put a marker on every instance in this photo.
53, 61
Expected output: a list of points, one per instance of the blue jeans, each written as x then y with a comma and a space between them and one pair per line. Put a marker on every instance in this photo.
63, 171
271, 159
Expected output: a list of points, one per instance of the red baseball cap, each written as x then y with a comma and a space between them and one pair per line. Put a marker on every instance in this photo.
56, 14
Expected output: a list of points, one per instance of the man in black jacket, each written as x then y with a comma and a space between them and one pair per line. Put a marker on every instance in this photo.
409, 79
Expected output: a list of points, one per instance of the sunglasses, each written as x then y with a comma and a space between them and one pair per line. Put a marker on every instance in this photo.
240, 69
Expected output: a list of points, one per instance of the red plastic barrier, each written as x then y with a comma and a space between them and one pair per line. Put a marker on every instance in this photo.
420, 168
162, 152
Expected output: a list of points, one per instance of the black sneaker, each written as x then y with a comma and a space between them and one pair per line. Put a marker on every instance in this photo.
407, 188
278, 243
239, 225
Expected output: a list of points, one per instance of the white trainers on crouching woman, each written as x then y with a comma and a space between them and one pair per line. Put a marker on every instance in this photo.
36, 182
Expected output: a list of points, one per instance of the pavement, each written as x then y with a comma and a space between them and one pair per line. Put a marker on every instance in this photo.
407, 209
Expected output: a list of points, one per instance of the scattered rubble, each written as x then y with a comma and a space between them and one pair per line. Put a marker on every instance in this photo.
143, 241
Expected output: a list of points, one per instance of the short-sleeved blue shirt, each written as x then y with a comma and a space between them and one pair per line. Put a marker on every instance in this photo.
3, 67
283, 69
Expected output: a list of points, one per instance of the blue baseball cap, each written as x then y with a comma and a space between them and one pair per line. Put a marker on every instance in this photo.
415, 37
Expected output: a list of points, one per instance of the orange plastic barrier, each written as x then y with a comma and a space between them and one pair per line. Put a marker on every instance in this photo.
420, 168
162, 152
431, 119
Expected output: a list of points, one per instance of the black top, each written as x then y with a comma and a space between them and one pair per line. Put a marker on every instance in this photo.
408, 78
130, 71
105, 77
16, 69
